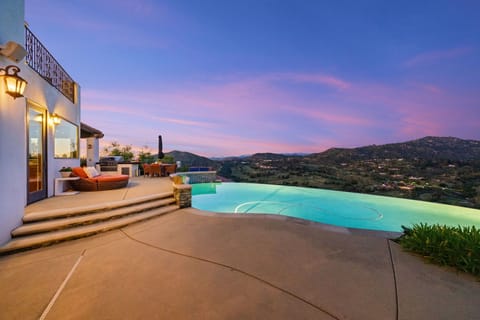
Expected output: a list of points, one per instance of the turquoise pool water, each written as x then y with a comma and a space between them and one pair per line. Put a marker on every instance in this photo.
353, 210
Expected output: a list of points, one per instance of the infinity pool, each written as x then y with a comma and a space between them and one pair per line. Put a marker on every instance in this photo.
353, 210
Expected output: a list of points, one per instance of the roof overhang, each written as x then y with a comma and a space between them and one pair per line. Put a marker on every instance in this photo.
89, 132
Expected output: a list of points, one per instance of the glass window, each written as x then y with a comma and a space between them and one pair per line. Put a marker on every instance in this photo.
66, 140
36, 149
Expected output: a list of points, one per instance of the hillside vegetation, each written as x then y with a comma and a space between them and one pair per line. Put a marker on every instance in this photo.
192, 160
438, 169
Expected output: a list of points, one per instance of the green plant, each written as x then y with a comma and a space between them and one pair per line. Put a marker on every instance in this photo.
458, 247
115, 149
182, 169
146, 157
167, 159
65, 169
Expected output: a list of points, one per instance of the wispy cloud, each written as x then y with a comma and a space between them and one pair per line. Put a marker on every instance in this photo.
427, 87
315, 78
437, 56
258, 113
124, 111
332, 116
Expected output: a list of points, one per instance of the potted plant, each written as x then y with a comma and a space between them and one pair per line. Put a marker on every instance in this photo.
65, 172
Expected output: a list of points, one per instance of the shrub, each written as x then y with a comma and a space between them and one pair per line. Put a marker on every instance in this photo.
458, 247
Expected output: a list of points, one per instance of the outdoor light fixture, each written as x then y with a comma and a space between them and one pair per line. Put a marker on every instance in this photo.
38, 118
15, 85
55, 119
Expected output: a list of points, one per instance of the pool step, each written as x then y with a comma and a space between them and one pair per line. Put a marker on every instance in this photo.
64, 224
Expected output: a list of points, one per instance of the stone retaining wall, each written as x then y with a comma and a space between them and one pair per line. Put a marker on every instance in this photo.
183, 195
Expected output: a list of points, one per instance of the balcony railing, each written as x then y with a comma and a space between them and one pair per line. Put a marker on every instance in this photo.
42, 61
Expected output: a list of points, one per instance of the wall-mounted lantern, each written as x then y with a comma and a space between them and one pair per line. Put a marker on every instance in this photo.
55, 119
15, 85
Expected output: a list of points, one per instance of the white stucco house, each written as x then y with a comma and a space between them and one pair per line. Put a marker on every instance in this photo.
40, 131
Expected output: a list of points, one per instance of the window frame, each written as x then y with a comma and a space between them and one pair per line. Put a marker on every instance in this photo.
77, 139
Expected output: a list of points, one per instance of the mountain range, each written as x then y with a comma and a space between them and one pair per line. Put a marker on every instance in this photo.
439, 169
427, 148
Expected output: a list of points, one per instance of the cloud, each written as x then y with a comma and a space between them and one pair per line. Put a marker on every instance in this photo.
131, 24
217, 145
430, 88
321, 79
122, 111
240, 114
333, 116
437, 56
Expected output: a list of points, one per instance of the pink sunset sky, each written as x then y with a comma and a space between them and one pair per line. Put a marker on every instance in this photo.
223, 78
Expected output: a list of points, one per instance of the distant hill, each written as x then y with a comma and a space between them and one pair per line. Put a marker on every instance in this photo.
267, 156
438, 169
192, 160
428, 148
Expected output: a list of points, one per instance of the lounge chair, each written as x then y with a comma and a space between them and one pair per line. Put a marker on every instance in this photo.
97, 183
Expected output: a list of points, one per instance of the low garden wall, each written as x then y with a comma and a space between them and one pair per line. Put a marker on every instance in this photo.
198, 176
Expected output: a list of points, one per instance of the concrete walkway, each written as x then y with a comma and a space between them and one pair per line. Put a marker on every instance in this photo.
198, 265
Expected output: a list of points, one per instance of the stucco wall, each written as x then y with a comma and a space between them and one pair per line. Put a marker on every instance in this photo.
41, 94
13, 139
12, 14
12, 161
12, 129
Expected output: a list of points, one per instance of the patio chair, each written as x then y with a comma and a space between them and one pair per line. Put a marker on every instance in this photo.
169, 169
147, 171
155, 170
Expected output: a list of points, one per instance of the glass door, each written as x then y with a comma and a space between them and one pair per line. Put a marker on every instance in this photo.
36, 162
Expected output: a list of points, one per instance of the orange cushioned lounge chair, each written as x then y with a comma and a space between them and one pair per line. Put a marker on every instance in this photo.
98, 183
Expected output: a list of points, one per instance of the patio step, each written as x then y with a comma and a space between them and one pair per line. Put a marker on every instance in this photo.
67, 224
64, 212
61, 223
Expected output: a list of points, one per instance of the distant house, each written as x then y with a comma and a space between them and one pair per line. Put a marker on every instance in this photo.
39, 131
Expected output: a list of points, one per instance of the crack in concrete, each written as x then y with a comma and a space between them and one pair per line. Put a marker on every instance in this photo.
394, 278
62, 286
232, 268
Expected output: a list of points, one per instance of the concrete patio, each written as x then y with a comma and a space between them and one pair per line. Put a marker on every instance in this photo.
192, 264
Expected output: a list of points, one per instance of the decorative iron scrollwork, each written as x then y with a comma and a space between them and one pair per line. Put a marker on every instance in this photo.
42, 61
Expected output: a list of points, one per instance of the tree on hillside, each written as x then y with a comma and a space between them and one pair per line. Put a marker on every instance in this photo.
145, 156
115, 149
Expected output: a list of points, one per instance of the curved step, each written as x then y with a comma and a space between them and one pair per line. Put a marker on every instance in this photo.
63, 212
55, 224
81, 231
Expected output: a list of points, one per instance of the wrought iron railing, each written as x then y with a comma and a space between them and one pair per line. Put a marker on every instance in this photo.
42, 61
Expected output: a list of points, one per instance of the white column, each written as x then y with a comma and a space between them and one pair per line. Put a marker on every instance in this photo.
93, 151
